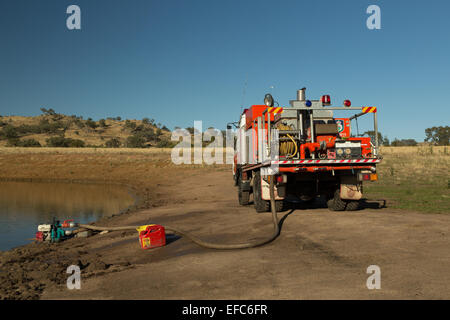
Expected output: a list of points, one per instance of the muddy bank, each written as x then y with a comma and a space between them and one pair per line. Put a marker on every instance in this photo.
27, 270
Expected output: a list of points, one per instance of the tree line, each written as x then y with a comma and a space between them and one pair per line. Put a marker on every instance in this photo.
438, 136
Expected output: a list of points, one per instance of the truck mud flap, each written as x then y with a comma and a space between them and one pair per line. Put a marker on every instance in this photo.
351, 191
265, 192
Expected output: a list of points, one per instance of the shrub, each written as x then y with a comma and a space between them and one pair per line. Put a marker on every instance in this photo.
26, 129
64, 142
79, 123
56, 142
130, 125
30, 143
136, 141
16, 142
49, 112
10, 132
75, 143
404, 142
147, 132
13, 142
166, 144
91, 124
113, 143
46, 127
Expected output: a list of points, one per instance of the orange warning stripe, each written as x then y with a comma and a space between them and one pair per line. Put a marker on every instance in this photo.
274, 110
369, 109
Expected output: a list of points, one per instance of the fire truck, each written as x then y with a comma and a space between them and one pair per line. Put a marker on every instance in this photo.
308, 151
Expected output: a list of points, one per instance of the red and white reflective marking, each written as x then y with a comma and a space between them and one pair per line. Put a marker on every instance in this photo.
313, 161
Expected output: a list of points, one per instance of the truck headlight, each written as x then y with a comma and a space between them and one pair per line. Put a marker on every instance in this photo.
268, 100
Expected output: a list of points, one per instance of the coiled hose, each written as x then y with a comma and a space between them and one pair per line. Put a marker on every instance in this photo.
287, 148
201, 243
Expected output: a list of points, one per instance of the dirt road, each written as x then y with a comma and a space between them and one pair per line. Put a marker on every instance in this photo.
319, 254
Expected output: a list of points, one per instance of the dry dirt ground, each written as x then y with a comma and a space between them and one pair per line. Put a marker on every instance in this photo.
319, 255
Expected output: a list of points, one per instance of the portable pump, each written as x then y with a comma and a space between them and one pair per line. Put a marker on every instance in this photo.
55, 232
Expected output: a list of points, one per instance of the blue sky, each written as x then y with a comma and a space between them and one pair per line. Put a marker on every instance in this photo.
180, 61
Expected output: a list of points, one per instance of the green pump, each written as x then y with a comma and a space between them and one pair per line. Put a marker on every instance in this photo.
57, 230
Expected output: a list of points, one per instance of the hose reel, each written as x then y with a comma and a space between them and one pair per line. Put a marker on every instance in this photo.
288, 149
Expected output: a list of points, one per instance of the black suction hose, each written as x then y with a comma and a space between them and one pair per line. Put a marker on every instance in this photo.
209, 245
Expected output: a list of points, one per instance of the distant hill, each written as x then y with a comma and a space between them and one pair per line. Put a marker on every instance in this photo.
51, 129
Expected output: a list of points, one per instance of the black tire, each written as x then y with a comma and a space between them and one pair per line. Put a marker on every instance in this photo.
280, 205
260, 204
338, 204
244, 196
352, 206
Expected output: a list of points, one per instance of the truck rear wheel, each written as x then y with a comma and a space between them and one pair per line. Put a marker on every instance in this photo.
352, 206
338, 204
244, 196
260, 204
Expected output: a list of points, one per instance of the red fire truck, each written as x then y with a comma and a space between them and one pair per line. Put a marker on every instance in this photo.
307, 150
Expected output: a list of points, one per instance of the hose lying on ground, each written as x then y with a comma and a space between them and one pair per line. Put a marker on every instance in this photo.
209, 245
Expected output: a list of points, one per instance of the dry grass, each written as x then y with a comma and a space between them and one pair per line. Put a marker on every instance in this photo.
419, 150
47, 150
416, 164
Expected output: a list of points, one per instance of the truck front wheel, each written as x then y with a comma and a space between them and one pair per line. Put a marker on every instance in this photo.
260, 204
243, 193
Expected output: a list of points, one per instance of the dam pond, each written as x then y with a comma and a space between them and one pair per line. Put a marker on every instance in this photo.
25, 205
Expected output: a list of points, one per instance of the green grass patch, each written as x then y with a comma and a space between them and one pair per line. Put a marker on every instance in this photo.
411, 195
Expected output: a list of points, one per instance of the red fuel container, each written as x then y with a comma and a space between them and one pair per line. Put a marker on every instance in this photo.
39, 236
153, 236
